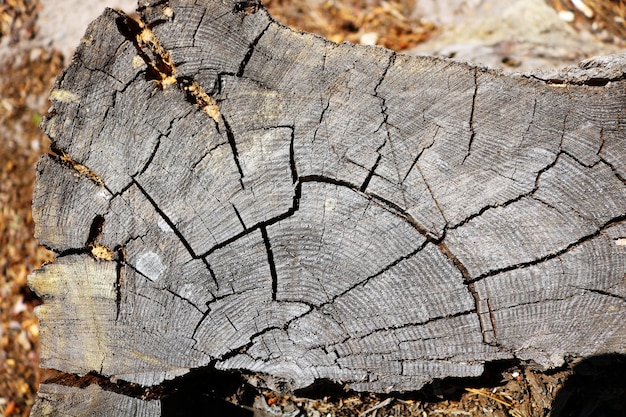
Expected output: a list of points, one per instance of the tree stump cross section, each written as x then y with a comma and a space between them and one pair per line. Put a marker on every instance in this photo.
227, 192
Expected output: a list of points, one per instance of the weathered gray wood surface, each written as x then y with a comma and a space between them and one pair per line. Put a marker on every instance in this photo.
63, 401
226, 192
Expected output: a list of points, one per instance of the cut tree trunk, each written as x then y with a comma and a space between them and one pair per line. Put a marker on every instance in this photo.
228, 193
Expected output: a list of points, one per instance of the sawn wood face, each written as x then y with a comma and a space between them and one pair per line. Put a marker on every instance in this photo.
227, 192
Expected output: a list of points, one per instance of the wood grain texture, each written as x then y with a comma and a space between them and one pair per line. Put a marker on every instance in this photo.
227, 192
60, 401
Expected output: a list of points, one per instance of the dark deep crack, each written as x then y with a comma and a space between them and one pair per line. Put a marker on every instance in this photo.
512, 200
177, 232
204, 155
95, 231
250, 51
231, 323
390, 63
208, 267
149, 161
385, 204
492, 318
233, 147
197, 28
224, 296
552, 255
250, 229
457, 263
239, 217
119, 271
384, 122
180, 297
490, 207
602, 292
167, 220
590, 81
620, 176
404, 326
550, 206
270, 261
467, 279
471, 120
369, 278
419, 154
138, 272
290, 212
173, 227
319, 123
292, 155
91, 247
202, 319
244, 348
370, 174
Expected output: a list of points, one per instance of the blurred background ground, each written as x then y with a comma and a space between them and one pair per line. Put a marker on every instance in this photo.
37, 38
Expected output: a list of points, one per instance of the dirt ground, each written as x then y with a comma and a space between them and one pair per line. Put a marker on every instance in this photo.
593, 387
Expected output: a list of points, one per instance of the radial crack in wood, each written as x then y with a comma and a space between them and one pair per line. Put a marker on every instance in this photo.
228, 193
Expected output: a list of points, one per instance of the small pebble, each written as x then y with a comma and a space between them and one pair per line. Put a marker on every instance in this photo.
369, 38
567, 16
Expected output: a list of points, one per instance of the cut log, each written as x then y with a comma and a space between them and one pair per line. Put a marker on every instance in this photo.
228, 193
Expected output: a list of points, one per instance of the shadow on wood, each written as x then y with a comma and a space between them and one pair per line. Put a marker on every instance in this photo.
596, 389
